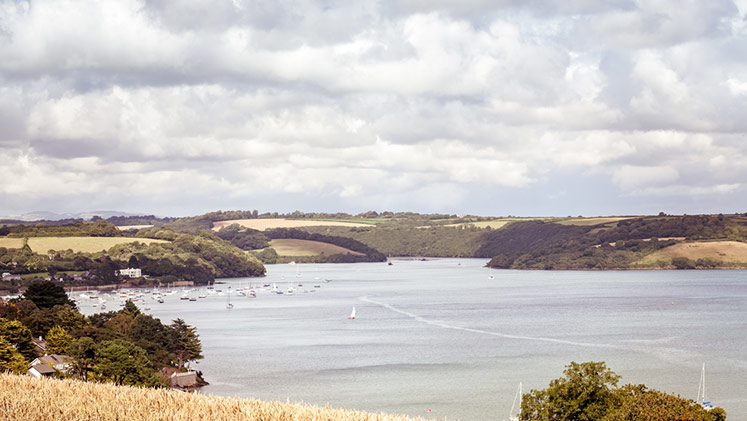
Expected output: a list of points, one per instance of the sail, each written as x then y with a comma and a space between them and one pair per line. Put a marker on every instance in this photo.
352, 314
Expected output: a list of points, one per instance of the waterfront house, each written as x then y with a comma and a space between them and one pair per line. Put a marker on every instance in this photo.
130, 272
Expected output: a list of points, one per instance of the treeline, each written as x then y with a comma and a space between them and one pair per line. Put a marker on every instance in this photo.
369, 254
123, 347
99, 228
412, 240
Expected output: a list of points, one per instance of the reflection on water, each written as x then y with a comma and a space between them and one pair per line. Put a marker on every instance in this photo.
441, 335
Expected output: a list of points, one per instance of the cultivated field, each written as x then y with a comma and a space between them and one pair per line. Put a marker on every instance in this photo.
725, 251
84, 244
294, 247
263, 224
133, 227
29, 399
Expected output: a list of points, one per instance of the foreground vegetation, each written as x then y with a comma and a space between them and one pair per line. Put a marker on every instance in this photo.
588, 391
24, 398
122, 347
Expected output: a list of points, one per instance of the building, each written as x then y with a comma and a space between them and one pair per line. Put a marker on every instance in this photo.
184, 380
10, 277
57, 362
41, 370
130, 272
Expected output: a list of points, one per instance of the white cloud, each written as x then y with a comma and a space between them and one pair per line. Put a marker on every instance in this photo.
370, 104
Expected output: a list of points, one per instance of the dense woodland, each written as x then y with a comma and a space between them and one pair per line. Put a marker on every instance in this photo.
123, 347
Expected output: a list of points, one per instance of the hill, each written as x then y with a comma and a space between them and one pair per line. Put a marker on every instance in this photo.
26, 398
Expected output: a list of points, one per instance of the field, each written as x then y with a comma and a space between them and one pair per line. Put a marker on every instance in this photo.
263, 224
725, 251
29, 399
84, 244
294, 247
591, 221
133, 227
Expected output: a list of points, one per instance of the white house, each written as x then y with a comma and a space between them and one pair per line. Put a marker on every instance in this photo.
131, 272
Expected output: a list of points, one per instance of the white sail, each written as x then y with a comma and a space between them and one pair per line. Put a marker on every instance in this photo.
701, 399
514, 416
352, 314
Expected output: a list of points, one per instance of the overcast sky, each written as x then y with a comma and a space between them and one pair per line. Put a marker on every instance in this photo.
496, 107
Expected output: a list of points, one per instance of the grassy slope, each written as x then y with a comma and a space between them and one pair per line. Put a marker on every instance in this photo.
26, 398
724, 251
84, 244
263, 224
295, 247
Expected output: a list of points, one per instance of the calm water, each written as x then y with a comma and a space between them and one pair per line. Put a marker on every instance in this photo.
441, 335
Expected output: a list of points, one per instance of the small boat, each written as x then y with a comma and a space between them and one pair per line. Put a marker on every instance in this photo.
701, 399
252, 294
389, 260
290, 291
229, 305
514, 416
352, 315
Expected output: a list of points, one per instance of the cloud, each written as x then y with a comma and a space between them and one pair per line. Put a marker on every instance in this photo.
415, 105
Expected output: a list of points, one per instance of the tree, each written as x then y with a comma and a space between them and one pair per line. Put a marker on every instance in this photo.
47, 294
58, 340
133, 263
122, 362
638, 402
11, 361
588, 392
19, 336
187, 346
83, 353
585, 393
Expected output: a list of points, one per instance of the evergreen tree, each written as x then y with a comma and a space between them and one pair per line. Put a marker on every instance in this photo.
19, 336
11, 361
187, 346
47, 294
58, 340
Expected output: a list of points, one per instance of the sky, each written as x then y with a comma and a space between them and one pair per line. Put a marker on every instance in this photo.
499, 107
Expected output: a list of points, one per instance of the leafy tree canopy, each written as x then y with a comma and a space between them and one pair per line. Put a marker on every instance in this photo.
47, 294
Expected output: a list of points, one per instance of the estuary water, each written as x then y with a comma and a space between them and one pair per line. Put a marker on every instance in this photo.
440, 338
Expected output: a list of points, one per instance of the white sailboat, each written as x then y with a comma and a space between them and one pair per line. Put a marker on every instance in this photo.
701, 399
490, 272
352, 315
514, 416
229, 305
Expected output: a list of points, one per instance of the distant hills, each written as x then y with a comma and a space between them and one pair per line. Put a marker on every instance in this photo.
52, 216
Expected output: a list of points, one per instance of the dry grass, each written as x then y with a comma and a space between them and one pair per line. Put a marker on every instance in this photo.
263, 224
294, 247
84, 244
11, 243
592, 221
26, 398
725, 251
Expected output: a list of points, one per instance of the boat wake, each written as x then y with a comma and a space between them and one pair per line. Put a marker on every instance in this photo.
487, 332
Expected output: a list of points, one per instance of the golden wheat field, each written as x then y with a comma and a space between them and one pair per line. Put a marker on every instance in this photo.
263, 224
29, 399
84, 244
294, 247
725, 251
